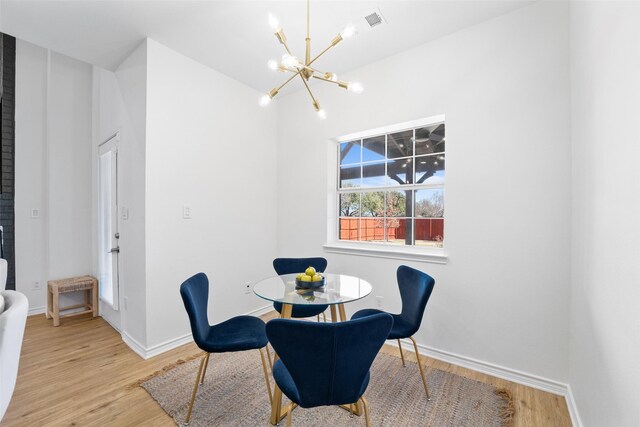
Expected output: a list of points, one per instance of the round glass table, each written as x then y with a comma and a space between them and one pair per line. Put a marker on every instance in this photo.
338, 290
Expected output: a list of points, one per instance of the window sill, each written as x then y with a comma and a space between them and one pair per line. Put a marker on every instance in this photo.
435, 256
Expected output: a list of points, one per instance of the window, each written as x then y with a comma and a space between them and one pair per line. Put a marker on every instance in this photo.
390, 186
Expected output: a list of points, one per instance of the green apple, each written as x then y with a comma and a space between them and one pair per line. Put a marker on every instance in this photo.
299, 276
310, 271
305, 278
316, 278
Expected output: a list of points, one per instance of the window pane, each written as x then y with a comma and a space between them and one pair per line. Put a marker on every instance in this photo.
430, 139
429, 232
400, 144
350, 176
348, 228
372, 229
373, 175
373, 149
398, 231
372, 204
350, 152
396, 203
429, 203
430, 170
399, 171
350, 204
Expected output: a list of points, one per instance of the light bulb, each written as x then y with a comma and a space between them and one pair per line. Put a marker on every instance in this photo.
264, 100
272, 64
348, 31
290, 61
273, 21
322, 114
355, 87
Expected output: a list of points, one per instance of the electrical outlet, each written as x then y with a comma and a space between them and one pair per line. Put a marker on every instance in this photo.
37, 286
35, 213
247, 288
124, 213
379, 301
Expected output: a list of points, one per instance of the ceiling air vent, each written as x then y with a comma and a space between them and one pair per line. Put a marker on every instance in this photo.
374, 18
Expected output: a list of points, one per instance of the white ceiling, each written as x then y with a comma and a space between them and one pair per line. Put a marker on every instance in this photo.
234, 37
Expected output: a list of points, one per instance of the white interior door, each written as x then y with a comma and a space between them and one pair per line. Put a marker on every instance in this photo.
108, 235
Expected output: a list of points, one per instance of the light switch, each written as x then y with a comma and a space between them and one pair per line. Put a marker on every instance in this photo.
124, 213
186, 211
35, 213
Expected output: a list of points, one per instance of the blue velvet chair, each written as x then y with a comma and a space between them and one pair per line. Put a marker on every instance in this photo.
299, 265
415, 290
325, 364
236, 334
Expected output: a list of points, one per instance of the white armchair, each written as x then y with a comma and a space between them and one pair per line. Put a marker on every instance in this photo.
12, 323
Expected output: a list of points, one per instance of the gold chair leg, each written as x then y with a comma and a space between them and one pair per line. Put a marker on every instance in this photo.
324, 317
204, 372
401, 355
266, 375
424, 380
195, 388
318, 317
366, 411
289, 416
266, 349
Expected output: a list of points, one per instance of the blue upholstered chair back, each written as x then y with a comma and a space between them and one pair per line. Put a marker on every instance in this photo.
195, 295
415, 290
298, 265
329, 362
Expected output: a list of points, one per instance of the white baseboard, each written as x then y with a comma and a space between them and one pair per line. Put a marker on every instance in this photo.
148, 352
134, 345
37, 310
260, 311
505, 373
573, 408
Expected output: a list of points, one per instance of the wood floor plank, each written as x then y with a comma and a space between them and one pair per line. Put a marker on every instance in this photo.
82, 374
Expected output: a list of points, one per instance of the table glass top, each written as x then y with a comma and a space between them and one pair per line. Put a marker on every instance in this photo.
338, 289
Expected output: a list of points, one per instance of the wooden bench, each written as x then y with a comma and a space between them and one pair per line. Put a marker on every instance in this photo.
88, 284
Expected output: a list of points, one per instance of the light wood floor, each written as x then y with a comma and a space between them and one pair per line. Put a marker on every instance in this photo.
80, 374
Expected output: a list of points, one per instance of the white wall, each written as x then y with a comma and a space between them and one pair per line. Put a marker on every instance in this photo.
53, 169
120, 106
605, 324
69, 167
31, 118
210, 146
503, 86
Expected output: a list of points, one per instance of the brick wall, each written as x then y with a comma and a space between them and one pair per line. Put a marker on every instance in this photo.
7, 148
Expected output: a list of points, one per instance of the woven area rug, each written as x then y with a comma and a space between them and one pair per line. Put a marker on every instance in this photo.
235, 394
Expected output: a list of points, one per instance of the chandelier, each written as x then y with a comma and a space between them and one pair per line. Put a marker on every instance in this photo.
291, 64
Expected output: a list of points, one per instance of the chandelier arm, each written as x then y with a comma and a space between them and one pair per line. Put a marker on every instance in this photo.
341, 83
313, 98
287, 81
286, 47
314, 70
326, 80
320, 54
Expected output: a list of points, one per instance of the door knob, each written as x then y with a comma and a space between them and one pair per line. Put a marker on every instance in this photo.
115, 250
